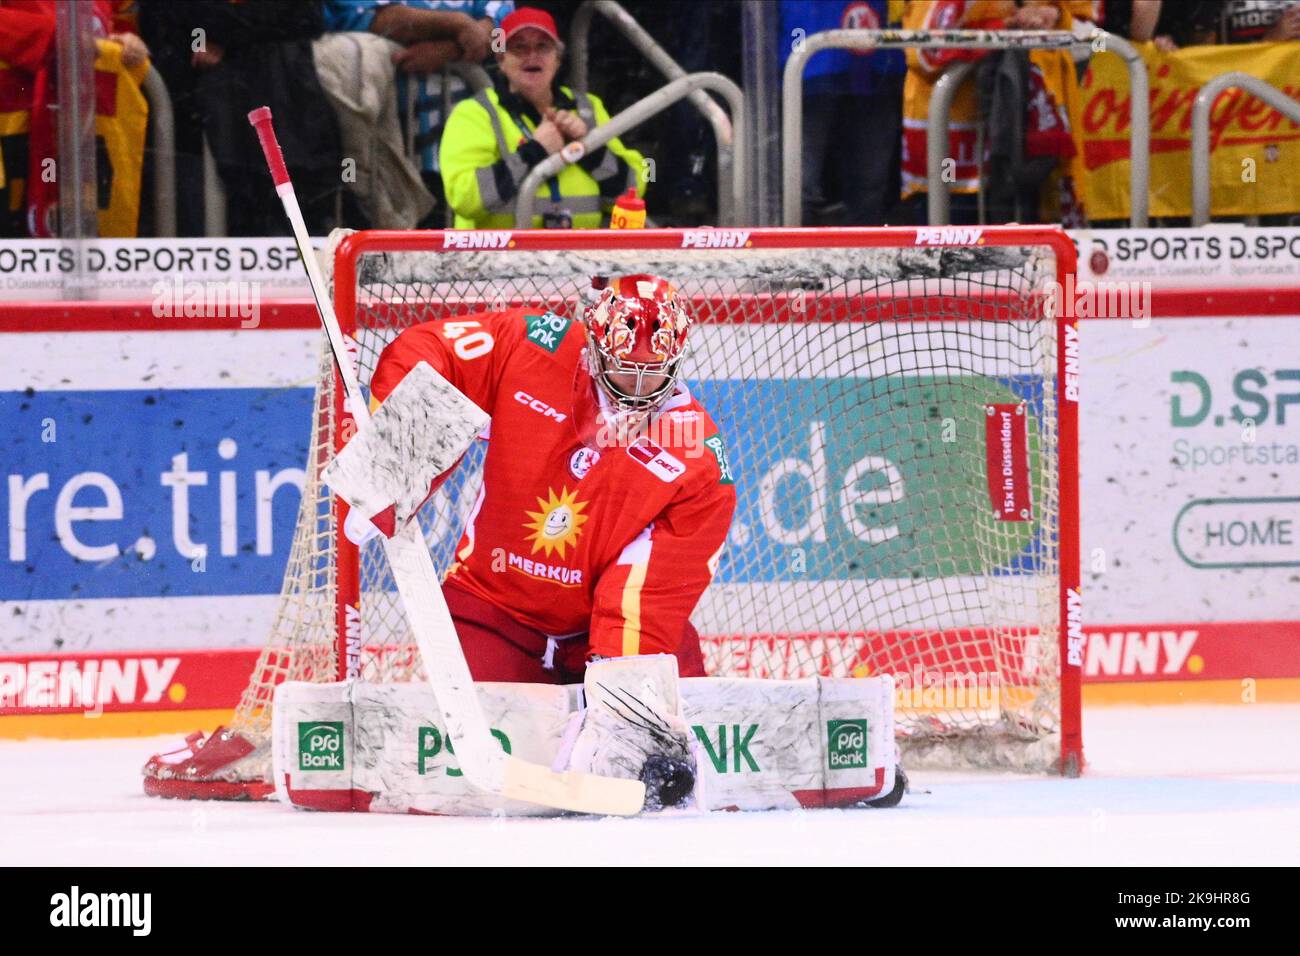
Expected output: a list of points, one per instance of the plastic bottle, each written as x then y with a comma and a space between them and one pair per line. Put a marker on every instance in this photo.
629, 212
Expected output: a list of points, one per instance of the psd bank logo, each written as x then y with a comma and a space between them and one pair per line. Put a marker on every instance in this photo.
320, 745
846, 744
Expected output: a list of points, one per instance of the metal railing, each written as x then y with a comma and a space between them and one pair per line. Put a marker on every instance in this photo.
475, 79
214, 195
472, 75
731, 156
621, 20
1201, 107
162, 141
936, 139
941, 101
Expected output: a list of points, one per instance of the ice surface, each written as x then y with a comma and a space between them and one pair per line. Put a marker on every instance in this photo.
1168, 785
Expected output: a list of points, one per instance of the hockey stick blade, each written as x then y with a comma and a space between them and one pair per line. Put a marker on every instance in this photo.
569, 790
482, 761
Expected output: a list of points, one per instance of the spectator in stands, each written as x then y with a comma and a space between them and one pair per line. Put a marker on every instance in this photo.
28, 133
227, 58
1145, 21
852, 115
1175, 25
700, 37
432, 34
495, 138
1254, 21
1047, 115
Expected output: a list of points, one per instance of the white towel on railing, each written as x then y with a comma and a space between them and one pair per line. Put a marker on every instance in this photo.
357, 73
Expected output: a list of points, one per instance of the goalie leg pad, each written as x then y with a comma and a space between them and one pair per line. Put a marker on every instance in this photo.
769, 744
385, 748
754, 744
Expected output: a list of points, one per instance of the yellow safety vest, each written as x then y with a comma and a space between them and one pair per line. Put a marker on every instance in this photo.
480, 132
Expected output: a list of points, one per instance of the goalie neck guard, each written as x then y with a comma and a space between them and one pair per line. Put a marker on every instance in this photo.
636, 340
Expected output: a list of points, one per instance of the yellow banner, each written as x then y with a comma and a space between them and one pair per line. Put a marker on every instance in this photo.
1255, 151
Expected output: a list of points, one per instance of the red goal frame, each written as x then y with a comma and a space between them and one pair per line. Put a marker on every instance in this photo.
353, 246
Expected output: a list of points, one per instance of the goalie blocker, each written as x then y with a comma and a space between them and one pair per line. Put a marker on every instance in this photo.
757, 744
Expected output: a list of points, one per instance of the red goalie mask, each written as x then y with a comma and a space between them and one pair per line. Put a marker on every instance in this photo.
636, 340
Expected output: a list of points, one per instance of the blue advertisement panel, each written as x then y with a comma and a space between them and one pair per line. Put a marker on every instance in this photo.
183, 492
164, 492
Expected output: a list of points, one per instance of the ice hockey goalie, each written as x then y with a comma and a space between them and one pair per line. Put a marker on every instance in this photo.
606, 495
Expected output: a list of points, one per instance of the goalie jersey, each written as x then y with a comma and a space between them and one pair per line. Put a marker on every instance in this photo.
576, 529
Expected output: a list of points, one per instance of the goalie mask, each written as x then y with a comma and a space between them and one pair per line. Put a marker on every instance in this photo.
636, 340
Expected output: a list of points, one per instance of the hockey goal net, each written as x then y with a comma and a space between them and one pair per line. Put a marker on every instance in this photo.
899, 411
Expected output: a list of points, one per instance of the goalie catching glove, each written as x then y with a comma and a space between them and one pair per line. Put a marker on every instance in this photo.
632, 728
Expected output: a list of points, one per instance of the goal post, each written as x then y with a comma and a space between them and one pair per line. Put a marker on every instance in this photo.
898, 409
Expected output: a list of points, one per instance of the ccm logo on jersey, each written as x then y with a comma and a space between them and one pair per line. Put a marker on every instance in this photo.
949, 236
715, 239
477, 239
539, 406
661, 464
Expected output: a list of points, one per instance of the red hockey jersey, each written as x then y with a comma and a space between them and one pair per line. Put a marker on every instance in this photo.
575, 530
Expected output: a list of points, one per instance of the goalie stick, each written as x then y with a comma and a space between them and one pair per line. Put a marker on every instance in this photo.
482, 760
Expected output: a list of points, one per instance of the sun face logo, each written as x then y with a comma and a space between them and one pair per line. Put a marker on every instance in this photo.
559, 522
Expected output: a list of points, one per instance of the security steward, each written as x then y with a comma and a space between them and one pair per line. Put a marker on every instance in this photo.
493, 139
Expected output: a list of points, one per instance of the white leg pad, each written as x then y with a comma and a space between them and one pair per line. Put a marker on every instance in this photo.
759, 744
397, 757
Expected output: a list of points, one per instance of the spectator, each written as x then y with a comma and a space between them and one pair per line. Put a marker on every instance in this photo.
1142, 21
28, 135
852, 105
1254, 21
1049, 119
700, 37
1175, 25
1168, 25
227, 58
432, 34
493, 140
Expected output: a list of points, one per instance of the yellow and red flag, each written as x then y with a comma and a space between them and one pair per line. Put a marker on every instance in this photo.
1255, 151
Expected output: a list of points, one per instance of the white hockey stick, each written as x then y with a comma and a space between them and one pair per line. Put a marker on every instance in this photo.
482, 760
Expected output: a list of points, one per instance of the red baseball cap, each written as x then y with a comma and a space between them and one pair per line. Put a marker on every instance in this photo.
530, 17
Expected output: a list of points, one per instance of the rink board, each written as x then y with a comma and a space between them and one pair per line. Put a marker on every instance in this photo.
1160, 604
